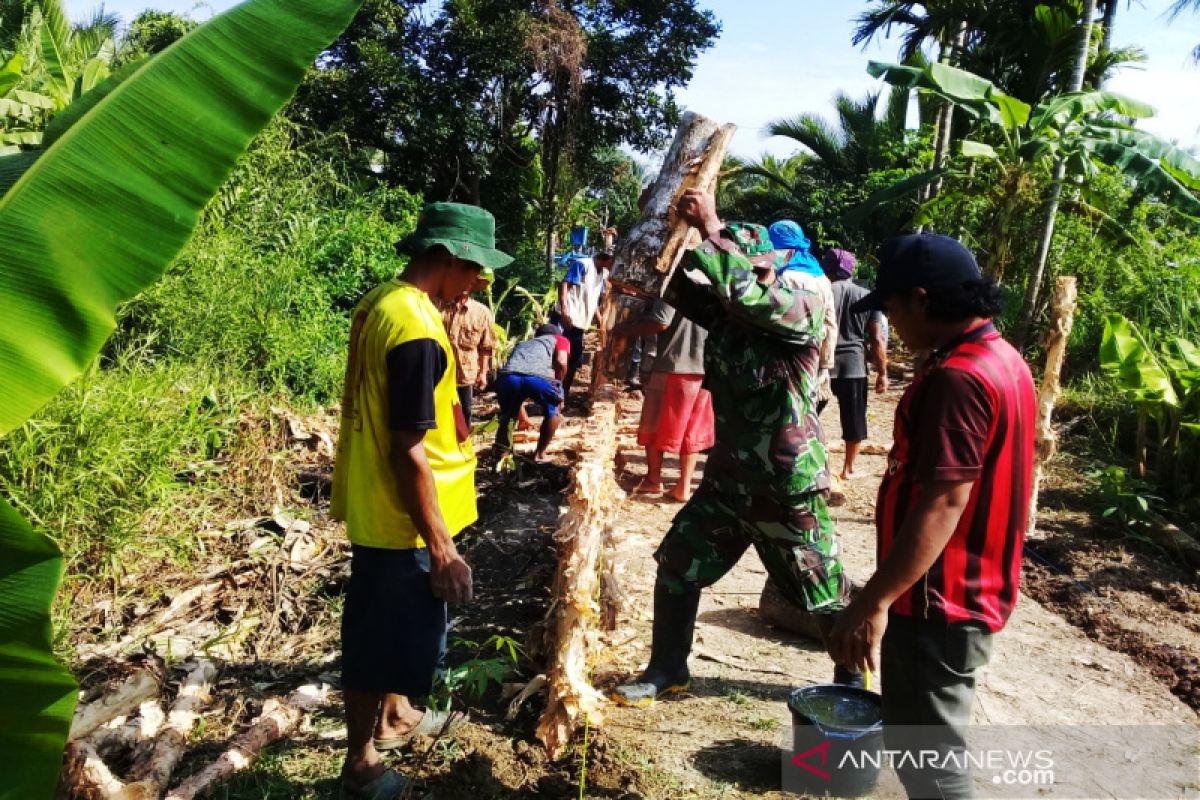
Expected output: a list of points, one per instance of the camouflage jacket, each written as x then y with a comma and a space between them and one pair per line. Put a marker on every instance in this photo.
760, 364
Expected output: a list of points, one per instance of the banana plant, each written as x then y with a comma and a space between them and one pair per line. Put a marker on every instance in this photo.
1082, 129
1161, 382
86, 224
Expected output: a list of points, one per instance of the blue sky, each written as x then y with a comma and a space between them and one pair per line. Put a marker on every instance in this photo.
779, 58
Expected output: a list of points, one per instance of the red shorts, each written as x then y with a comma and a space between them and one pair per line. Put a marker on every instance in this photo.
677, 414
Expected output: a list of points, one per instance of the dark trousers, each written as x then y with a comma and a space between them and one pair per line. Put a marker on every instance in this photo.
465, 395
928, 677
393, 628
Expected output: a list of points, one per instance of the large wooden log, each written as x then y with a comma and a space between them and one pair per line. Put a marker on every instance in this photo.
1045, 440
278, 719
644, 259
574, 615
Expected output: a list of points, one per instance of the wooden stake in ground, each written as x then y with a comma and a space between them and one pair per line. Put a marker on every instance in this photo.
1045, 440
654, 246
574, 612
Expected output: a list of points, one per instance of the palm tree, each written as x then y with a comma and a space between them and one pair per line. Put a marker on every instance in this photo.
856, 143
1178, 8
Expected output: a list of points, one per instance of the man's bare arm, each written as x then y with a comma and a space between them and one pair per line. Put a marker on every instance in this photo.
857, 635
450, 576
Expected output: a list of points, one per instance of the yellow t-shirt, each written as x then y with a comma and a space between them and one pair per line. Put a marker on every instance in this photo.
364, 486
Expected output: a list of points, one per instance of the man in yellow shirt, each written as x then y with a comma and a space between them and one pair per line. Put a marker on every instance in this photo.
404, 483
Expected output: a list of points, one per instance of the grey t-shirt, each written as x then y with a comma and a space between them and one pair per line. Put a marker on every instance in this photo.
681, 345
850, 357
533, 357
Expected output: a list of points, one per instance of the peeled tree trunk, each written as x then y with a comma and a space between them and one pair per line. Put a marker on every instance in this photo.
657, 242
1045, 439
1050, 211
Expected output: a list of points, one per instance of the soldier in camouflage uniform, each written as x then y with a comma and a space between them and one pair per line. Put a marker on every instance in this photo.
766, 479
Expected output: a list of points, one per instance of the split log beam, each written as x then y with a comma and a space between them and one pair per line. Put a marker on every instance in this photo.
279, 718
574, 610
1045, 440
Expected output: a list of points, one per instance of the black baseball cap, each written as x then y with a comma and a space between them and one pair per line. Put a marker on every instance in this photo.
925, 260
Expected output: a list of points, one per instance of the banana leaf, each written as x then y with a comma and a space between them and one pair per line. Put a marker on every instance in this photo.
1061, 109
1128, 358
899, 190
93, 220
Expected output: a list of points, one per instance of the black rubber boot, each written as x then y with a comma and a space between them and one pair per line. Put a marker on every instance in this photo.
667, 672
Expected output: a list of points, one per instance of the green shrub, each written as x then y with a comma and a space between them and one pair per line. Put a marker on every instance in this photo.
266, 285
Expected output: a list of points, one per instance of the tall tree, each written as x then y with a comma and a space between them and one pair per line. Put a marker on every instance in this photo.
452, 94
1050, 211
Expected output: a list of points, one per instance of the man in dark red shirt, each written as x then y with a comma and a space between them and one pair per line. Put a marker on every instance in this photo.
951, 511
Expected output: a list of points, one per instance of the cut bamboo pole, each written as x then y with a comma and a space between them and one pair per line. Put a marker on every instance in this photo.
575, 612
1045, 440
279, 718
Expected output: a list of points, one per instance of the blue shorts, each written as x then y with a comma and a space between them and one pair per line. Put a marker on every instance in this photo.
513, 389
393, 628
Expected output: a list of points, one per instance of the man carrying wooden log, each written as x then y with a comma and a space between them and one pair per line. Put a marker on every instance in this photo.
951, 514
404, 482
766, 478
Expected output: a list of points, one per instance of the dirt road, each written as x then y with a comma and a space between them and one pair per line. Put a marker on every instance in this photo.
720, 739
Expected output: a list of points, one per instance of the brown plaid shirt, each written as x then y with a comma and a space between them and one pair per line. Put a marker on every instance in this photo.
472, 335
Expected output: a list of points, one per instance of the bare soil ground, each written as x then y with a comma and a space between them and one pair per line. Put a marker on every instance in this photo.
1114, 640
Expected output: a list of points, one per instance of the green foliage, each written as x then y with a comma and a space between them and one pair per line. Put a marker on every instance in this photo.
135, 435
507, 104
131, 208
1126, 500
152, 32
1161, 379
294, 239
490, 664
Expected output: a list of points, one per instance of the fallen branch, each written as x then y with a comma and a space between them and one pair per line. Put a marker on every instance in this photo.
151, 775
537, 684
122, 701
85, 775
279, 718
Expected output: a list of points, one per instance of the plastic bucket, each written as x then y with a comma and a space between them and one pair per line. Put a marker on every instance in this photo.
837, 735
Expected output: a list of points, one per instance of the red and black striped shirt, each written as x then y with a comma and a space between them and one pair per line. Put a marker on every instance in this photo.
968, 416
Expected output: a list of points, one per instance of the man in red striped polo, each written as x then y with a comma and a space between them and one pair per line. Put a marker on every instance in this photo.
951, 512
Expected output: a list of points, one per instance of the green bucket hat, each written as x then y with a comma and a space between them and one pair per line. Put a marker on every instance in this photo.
755, 243
468, 232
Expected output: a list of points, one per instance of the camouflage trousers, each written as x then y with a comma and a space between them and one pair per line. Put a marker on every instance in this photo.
794, 537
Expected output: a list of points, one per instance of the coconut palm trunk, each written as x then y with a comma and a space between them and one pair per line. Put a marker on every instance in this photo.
1050, 209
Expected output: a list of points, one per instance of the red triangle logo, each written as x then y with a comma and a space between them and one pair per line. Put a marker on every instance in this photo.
802, 760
